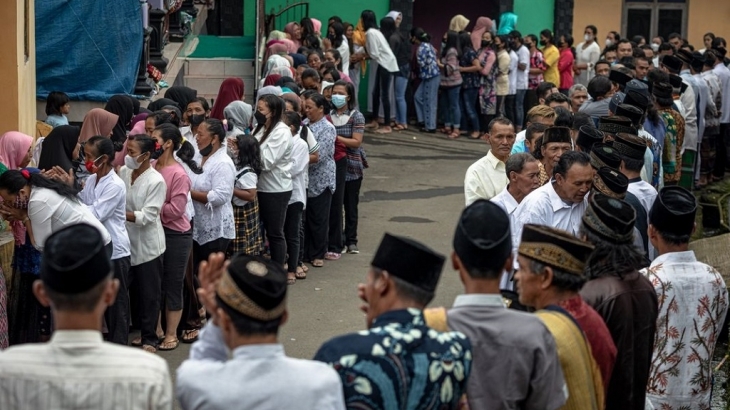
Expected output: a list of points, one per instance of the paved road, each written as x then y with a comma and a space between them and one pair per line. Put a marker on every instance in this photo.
414, 187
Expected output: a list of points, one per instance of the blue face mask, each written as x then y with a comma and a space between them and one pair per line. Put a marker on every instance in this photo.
339, 101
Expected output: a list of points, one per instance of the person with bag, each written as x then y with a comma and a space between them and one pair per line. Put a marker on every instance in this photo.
451, 81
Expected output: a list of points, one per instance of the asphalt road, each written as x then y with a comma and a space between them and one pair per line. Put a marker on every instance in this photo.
414, 187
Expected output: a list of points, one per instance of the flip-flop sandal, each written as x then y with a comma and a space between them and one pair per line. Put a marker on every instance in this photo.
137, 342
167, 346
188, 340
149, 348
300, 274
453, 136
332, 256
318, 263
291, 280
304, 268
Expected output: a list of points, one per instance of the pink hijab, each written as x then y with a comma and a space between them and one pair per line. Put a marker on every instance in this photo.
14, 147
317, 27
97, 122
289, 29
483, 24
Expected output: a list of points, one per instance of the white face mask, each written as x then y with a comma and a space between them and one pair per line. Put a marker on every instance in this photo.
587, 37
131, 162
609, 43
655, 47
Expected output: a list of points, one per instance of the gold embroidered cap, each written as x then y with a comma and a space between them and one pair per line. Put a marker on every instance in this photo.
554, 247
255, 287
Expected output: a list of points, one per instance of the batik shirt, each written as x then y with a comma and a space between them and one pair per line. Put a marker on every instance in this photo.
536, 61
693, 302
426, 58
673, 140
400, 363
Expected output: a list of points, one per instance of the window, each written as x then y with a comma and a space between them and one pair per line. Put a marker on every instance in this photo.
650, 18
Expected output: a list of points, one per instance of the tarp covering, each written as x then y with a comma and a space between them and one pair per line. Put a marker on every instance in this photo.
89, 49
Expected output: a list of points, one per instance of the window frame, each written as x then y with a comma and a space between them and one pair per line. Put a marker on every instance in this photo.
655, 6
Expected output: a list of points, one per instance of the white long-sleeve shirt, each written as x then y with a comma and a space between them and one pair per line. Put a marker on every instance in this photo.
50, 212
484, 179
78, 370
257, 376
379, 50
214, 219
276, 159
299, 170
145, 198
107, 201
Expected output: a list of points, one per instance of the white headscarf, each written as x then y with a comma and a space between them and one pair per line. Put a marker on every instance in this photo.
239, 114
394, 15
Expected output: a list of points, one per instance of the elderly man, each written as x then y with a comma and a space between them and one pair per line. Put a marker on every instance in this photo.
693, 302
523, 175
559, 203
549, 278
578, 94
77, 369
399, 362
532, 377
556, 141
247, 304
486, 178
624, 298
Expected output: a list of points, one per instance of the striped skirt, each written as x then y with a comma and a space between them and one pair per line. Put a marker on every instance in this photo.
249, 231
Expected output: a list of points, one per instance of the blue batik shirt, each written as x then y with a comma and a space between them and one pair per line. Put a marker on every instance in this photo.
400, 363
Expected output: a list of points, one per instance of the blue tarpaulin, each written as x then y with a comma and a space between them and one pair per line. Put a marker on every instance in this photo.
89, 49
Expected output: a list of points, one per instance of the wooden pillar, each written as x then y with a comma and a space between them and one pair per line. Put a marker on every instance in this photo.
17, 67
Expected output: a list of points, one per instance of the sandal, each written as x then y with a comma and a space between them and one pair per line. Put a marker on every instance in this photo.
169, 345
300, 274
304, 268
475, 136
186, 335
332, 256
291, 278
318, 263
454, 135
400, 127
372, 125
383, 131
137, 342
149, 348
445, 130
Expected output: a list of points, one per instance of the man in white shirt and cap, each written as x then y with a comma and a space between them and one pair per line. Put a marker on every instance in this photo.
77, 369
486, 177
247, 302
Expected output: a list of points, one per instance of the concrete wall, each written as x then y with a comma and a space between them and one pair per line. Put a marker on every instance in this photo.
604, 14
534, 16
17, 73
707, 16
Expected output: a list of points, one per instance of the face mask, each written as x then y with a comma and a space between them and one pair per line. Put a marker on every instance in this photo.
20, 203
486, 43
131, 162
207, 150
91, 166
339, 101
587, 37
655, 47
443, 45
260, 117
158, 151
542, 43
609, 43
196, 119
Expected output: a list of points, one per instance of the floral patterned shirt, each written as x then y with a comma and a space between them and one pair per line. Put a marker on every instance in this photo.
673, 140
400, 363
536, 61
426, 59
693, 302
322, 174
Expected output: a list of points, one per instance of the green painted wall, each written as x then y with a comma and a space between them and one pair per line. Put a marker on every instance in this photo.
534, 16
348, 10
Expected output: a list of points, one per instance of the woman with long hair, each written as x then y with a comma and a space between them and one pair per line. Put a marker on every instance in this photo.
249, 238
146, 191
274, 187
177, 228
451, 81
402, 50
487, 89
378, 50
336, 40
322, 181
469, 67
105, 195
427, 73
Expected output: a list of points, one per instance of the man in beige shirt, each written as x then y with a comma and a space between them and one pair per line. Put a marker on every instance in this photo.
77, 369
487, 177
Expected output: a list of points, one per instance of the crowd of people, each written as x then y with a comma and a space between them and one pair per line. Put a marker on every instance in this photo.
191, 221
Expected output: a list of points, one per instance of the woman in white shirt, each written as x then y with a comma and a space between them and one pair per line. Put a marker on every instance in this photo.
275, 182
146, 192
212, 191
105, 195
298, 200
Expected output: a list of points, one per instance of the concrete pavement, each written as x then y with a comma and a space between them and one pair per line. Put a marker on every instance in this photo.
414, 187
